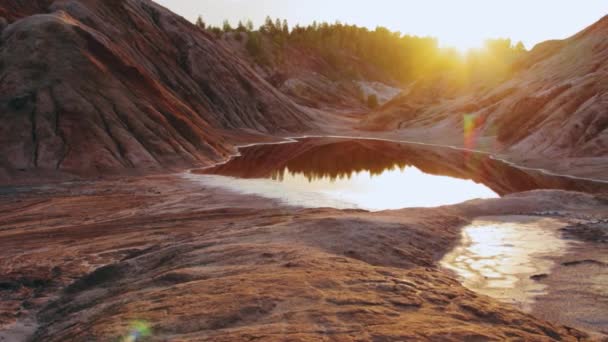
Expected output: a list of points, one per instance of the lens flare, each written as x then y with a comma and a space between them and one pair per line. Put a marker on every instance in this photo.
137, 330
468, 122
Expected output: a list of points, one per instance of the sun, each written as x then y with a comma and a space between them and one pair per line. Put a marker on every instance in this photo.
462, 44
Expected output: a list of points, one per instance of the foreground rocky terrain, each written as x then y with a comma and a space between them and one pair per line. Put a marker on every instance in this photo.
83, 261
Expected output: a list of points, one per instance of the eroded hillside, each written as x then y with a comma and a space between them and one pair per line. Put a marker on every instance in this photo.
554, 105
97, 86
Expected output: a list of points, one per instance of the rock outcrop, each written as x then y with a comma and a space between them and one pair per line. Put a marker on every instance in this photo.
95, 86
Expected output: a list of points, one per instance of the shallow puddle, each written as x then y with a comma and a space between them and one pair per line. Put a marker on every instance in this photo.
504, 257
392, 188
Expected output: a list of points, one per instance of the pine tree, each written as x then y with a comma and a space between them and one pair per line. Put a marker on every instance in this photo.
268, 26
255, 49
226, 26
200, 23
249, 25
241, 27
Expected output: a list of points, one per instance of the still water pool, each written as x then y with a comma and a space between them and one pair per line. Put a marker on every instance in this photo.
371, 174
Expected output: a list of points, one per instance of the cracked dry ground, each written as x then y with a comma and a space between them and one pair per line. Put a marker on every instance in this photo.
87, 259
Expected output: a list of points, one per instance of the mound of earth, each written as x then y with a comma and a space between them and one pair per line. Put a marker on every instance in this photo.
91, 87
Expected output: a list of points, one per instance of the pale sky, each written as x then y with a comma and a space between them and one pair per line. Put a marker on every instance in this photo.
462, 24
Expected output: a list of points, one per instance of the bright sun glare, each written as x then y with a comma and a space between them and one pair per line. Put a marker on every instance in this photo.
462, 45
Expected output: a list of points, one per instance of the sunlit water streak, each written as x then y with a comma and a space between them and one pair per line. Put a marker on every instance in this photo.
497, 257
393, 188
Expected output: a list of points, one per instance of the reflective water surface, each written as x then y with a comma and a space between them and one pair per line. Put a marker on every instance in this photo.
372, 174
500, 256
393, 188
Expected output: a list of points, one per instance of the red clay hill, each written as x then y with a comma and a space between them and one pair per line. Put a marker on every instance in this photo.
96, 86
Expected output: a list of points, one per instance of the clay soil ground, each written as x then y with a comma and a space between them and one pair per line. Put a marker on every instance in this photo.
83, 261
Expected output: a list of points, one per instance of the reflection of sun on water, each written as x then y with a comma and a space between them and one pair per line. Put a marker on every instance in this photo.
394, 188
497, 258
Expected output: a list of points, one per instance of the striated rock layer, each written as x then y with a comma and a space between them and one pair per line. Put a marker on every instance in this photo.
95, 86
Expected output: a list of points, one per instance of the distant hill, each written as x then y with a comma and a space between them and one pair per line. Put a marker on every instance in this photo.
337, 66
554, 104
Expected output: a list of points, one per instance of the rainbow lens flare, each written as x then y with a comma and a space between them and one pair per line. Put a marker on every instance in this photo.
137, 330
469, 124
